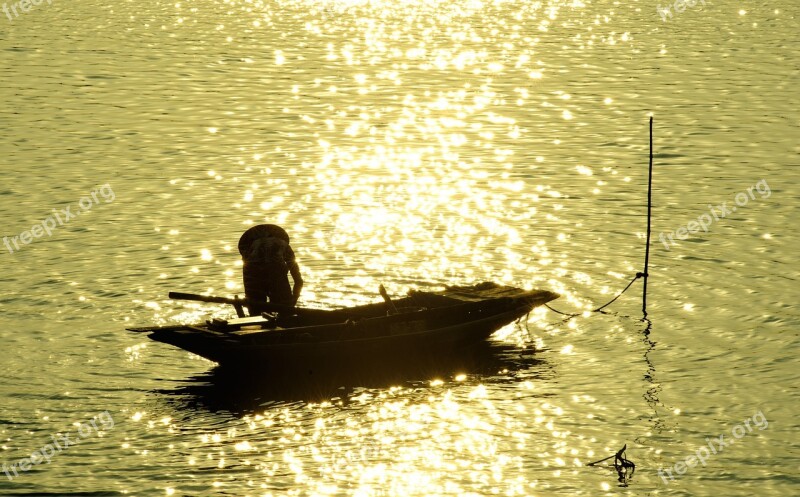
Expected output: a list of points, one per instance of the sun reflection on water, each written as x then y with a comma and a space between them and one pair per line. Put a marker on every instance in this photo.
408, 184
405, 441
411, 153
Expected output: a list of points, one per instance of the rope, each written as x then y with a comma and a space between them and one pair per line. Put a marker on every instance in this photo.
638, 275
559, 312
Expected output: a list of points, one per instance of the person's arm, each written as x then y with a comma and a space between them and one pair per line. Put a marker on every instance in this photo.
294, 270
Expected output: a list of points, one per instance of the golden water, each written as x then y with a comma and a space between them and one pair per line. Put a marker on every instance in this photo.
409, 144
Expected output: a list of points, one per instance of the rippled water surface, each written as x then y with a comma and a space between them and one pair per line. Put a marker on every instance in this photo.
411, 144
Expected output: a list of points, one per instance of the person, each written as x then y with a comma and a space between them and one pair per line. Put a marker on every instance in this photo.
267, 258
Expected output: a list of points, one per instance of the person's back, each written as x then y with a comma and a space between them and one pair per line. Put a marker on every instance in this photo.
267, 258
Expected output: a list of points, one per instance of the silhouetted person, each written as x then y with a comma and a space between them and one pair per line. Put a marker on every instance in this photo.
267, 259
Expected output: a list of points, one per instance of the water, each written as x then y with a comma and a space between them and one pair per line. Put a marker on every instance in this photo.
411, 144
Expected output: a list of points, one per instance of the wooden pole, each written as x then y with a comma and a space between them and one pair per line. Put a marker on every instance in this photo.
649, 209
389, 304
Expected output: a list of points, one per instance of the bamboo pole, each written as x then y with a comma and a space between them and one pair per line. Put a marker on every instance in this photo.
649, 210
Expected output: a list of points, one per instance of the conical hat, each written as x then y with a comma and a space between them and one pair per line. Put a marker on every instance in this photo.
261, 231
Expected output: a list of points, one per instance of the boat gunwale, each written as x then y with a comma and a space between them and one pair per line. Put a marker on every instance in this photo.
252, 337
427, 332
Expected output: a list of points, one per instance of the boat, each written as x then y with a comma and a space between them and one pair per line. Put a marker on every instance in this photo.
424, 324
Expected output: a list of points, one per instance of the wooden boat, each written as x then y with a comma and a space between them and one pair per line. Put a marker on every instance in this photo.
373, 335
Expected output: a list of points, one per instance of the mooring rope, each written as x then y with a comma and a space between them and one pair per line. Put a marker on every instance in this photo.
638, 275
558, 312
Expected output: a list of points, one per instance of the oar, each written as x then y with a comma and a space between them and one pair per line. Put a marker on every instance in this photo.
267, 306
150, 329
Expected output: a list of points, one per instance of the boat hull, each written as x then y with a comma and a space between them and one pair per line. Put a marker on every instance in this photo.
430, 327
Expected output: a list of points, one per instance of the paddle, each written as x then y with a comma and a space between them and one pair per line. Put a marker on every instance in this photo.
237, 302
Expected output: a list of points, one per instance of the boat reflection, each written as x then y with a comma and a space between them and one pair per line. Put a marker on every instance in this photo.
242, 392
